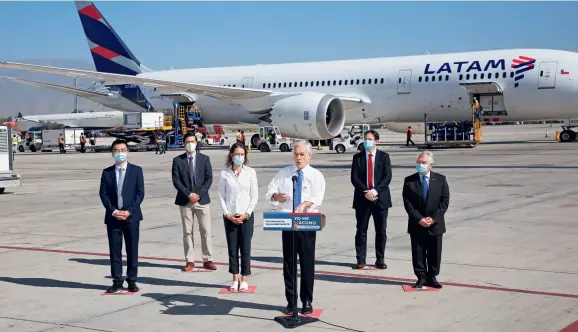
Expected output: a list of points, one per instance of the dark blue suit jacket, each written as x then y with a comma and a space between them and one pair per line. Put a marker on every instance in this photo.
132, 193
182, 180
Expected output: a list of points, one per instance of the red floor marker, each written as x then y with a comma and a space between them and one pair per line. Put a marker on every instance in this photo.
571, 328
367, 267
227, 290
408, 288
315, 314
122, 292
198, 269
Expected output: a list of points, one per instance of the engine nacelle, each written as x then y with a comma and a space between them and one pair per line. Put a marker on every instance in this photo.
309, 115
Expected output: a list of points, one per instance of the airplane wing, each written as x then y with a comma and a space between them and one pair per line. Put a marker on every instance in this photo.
220, 92
60, 88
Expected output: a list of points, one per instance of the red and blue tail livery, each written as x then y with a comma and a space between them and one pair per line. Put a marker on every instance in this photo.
109, 52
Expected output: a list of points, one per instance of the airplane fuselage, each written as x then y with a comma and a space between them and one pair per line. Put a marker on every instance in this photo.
401, 89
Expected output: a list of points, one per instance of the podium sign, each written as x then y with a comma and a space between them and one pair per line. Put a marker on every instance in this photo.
287, 221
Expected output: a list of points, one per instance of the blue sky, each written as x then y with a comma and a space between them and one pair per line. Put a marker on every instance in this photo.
207, 34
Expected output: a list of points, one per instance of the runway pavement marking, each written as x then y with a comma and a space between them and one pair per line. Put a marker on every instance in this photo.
340, 274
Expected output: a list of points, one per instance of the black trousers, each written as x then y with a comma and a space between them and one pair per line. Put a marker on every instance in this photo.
130, 231
409, 140
426, 254
305, 243
239, 239
362, 214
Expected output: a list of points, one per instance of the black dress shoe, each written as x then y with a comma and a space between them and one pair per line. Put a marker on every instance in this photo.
380, 265
432, 282
116, 287
359, 266
132, 287
419, 284
307, 308
289, 309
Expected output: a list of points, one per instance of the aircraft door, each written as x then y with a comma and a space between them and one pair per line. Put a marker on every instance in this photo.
139, 95
403, 81
547, 75
247, 82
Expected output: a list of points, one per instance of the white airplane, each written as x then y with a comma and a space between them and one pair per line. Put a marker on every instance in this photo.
89, 121
314, 100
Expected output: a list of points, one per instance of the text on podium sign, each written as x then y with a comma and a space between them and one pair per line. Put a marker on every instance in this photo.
287, 221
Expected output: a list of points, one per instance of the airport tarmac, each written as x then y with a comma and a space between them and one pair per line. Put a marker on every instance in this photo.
510, 259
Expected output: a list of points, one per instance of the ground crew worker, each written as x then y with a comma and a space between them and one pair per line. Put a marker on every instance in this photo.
409, 133
243, 137
61, 143
239, 136
199, 137
82, 142
14, 145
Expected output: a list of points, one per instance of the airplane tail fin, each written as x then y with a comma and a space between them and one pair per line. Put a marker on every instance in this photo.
109, 52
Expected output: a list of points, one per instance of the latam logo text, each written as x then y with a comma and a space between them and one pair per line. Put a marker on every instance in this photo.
458, 67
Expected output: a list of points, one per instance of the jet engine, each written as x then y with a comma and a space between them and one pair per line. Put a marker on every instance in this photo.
309, 115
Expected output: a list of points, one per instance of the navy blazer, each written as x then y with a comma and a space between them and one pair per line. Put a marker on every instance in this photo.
182, 179
418, 207
381, 175
132, 193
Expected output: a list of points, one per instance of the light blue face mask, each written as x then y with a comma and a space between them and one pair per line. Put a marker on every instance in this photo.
368, 144
238, 160
120, 157
421, 168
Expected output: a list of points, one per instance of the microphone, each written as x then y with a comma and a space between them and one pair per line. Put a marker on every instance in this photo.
294, 178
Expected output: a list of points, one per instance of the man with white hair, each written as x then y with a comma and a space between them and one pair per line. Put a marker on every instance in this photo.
309, 192
426, 198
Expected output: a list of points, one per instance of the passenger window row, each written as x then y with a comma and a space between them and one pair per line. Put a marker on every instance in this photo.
323, 83
467, 77
434, 78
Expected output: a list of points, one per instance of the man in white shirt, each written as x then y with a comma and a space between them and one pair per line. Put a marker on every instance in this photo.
309, 192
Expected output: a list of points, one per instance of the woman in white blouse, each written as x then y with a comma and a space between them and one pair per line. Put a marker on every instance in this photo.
238, 193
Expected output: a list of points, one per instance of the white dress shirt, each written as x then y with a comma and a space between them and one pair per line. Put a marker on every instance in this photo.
313, 188
373, 191
117, 173
238, 194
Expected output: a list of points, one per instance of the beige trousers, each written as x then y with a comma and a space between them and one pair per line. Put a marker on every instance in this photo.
203, 215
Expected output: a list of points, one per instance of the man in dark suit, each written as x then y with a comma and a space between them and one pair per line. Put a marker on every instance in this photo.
122, 192
192, 177
426, 197
371, 176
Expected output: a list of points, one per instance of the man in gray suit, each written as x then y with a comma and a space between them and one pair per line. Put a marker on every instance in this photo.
192, 177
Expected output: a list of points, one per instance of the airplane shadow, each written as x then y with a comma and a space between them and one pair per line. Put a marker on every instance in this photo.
141, 263
358, 280
200, 305
52, 283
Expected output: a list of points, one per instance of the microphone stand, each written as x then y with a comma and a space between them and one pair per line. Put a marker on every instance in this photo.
293, 321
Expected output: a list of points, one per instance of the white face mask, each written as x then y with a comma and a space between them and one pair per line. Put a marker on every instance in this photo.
191, 147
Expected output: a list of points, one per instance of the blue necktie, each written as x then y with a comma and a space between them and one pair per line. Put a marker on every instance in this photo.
298, 189
424, 186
